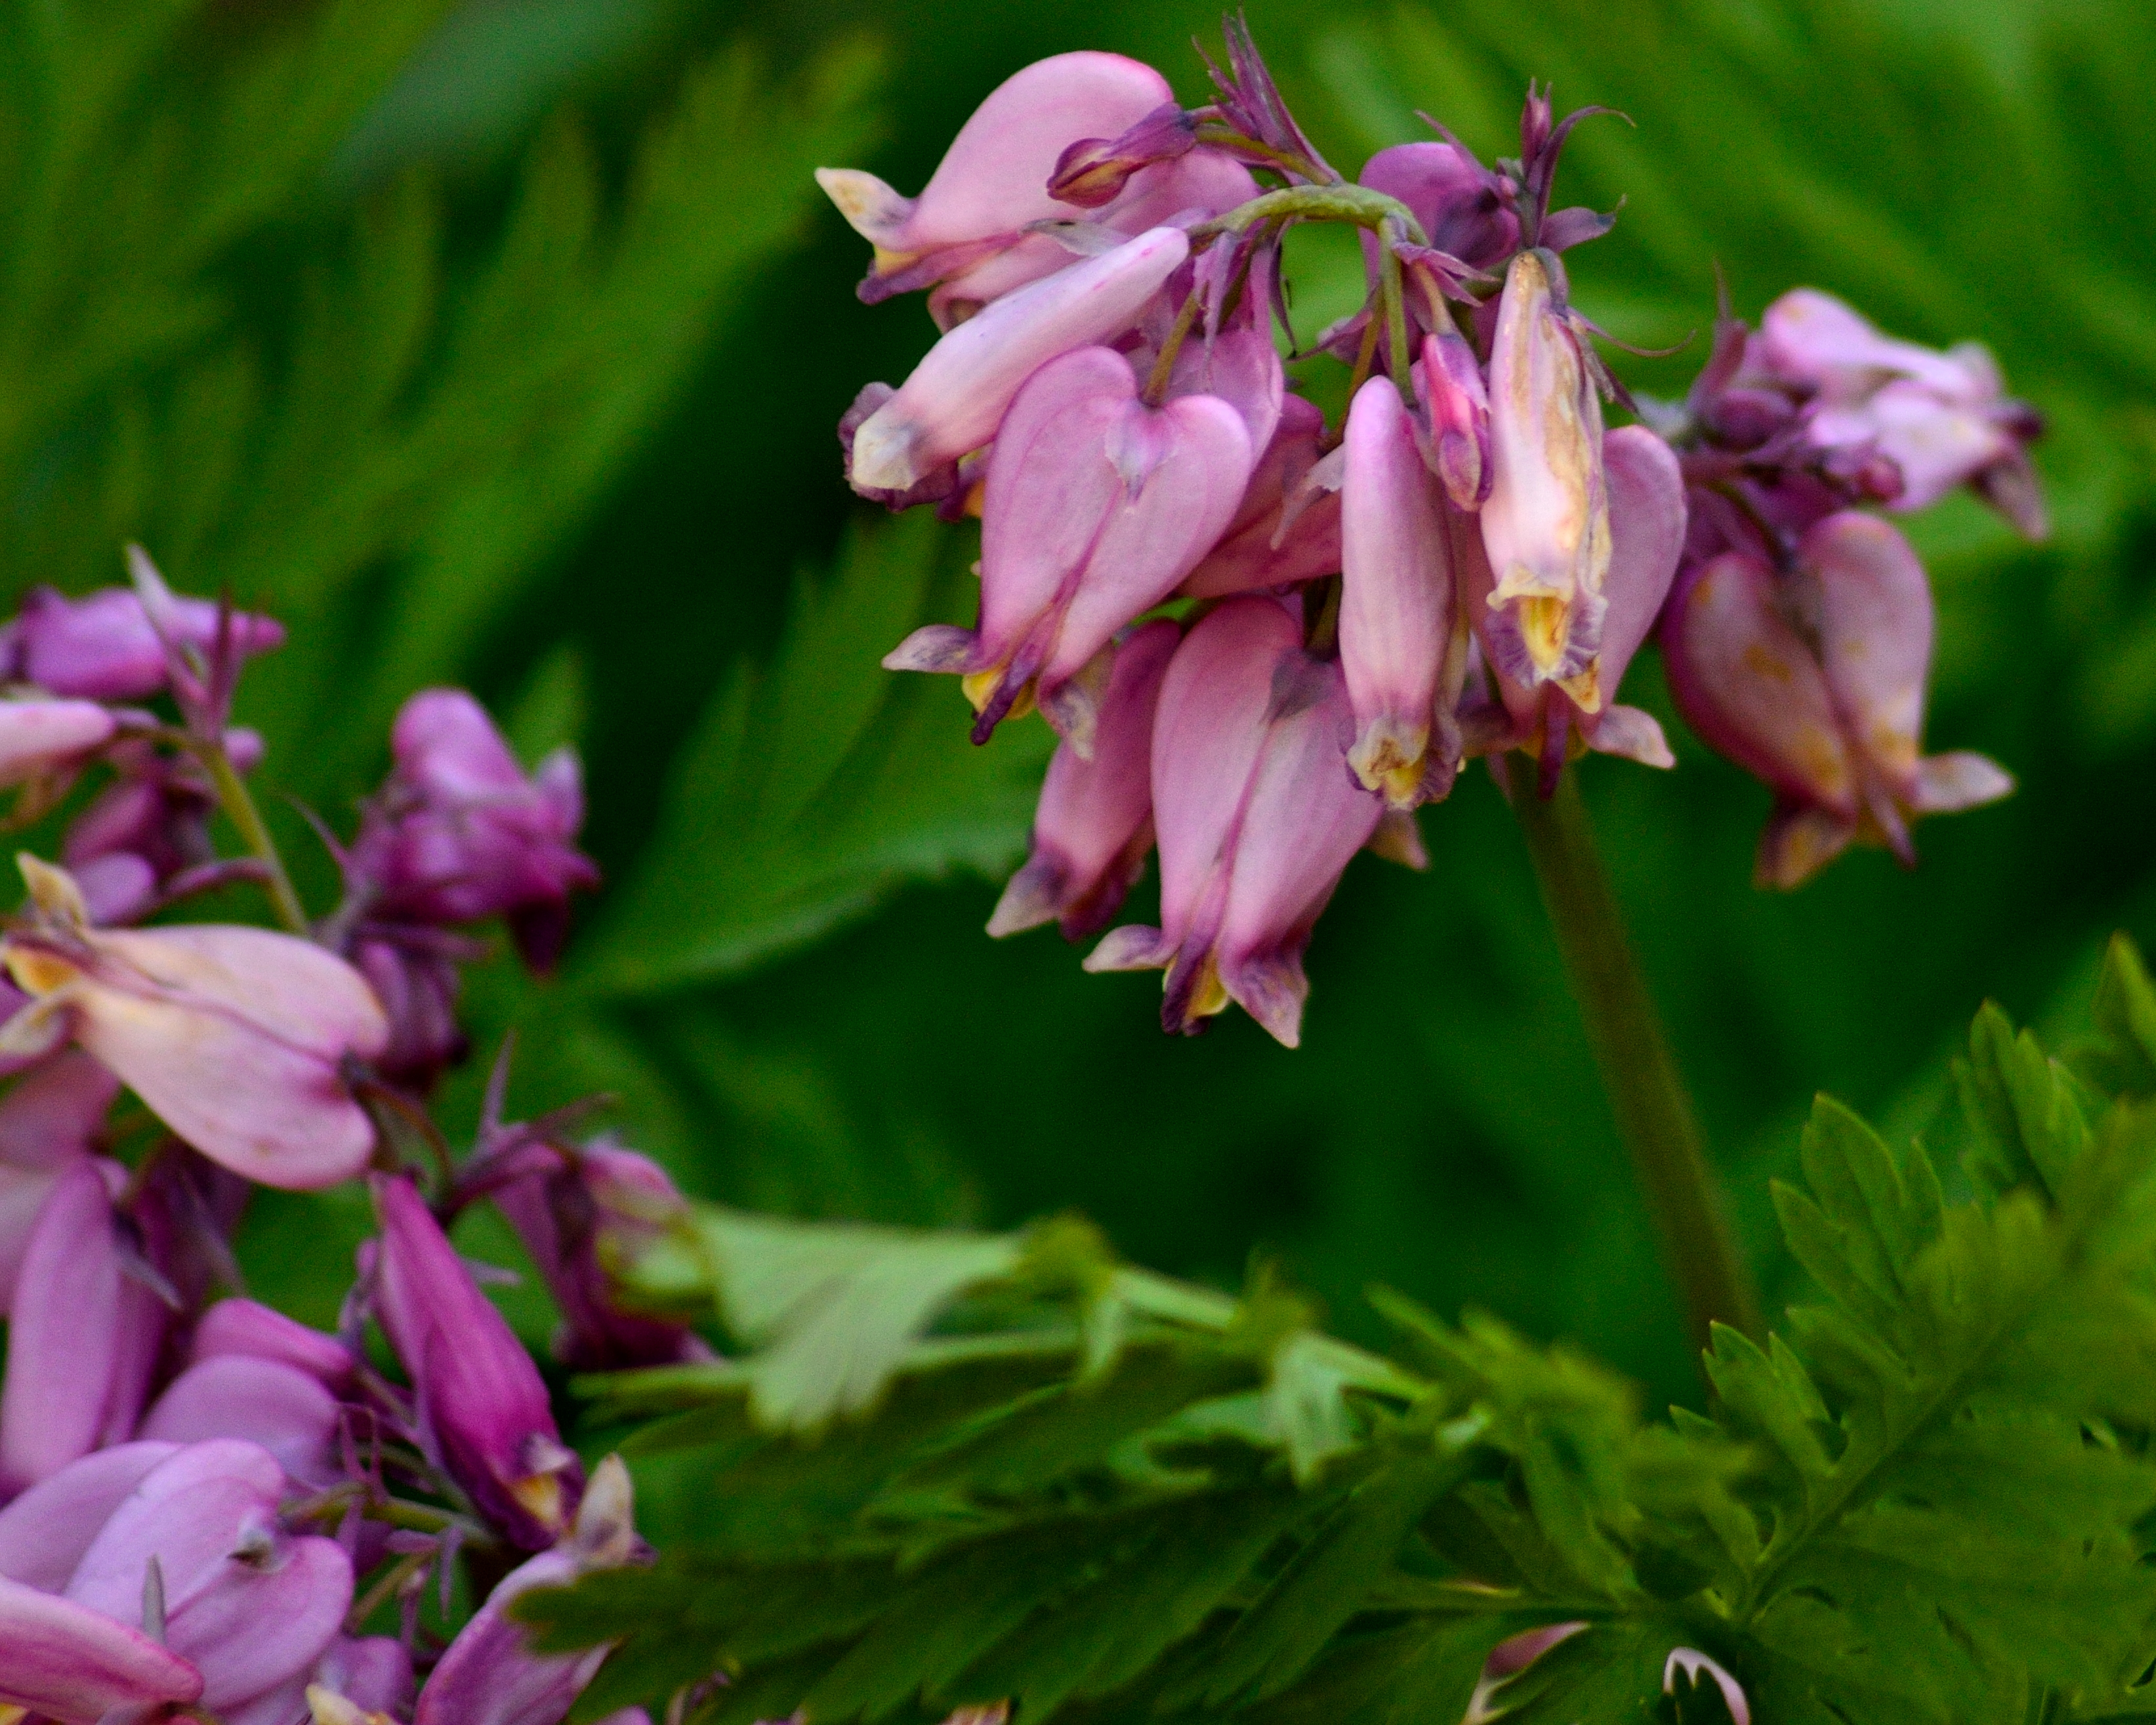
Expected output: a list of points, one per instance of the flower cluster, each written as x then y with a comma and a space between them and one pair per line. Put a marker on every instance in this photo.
206, 1509
1264, 639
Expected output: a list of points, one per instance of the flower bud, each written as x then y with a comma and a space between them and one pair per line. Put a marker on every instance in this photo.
47, 1122
84, 1335
1093, 828
1546, 524
235, 1037
1098, 506
1287, 528
242, 1328
1396, 606
359, 1681
993, 180
1464, 207
1813, 682
41, 737
1449, 383
1093, 171
491, 1676
958, 395
102, 647
480, 1395
60, 1660
1257, 818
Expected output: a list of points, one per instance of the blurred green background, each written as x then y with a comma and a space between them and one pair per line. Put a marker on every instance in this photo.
502, 342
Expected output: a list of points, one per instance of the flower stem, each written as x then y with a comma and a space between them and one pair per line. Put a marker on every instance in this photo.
239, 805
1654, 1114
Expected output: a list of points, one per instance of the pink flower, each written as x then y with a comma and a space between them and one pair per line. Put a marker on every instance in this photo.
1465, 208
66, 1662
1457, 403
1287, 527
1257, 818
958, 395
102, 647
1098, 505
1815, 683
1396, 606
243, 1329
235, 1037
47, 1121
41, 737
1093, 828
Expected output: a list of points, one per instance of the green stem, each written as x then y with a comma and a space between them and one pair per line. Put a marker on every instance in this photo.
238, 806
1653, 1114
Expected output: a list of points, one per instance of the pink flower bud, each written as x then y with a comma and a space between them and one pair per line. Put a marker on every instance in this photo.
1287, 528
1093, 828
491, 1676
1834, 730
41, 736
480, 1395
958, 395
1464, 207
1546, 524
1396, 606
577, 1220
247, 1603
84, 1334
243, 1329
235, 1037
101, 647
1093, 171
1449, 383
47, 1122
1098, 506
59, 1660
994, 179
1257, 818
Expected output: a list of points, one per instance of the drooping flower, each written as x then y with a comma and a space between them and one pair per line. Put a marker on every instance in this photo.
480, 1398
1257, 818
958, 395
577, 1219
1287, 528
1942, 418
44, 736
63, 1661
1546, 523
1814, 681
1465, 208
1397, 602
491, 1676
235, 1037
1098, 505
47, 1121
102, 646
1092, 830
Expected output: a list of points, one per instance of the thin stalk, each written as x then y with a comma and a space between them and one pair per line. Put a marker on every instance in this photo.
1655, 1115
239, 805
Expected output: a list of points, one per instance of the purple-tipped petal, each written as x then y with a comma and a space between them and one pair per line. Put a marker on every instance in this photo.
61, 1660
1396, 605
1093, 825
44, 1532
957, 396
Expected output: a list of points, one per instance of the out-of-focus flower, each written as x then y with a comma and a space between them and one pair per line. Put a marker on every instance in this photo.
578, 1219
1546, 523
63, 1661
102, 647
480, 1398
1093, 827
491, 1676
245, 1329
43, 736
1943, 418
1396, 607
249, 1605
1814, 681
47, 1122
357, 1682
1287, 527
958, 395
416, 972
459, 833
84, 1335
235, 1037
1256, 817
149, 830
1099, 504
284, 1409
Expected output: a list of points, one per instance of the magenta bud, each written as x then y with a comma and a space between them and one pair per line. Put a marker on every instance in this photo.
579, 1221
1463, 207
958, 395
1098, 505
47, 1121
1449, 383
102, 647
1093, 828
249, 1331
1396, 606
1093, 171
41, 737
235, 1037
83, 1336
480, 1394
1287, 529
1256, 815
66, 1662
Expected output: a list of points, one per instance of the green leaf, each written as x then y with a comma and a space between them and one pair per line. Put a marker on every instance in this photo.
2120, 1058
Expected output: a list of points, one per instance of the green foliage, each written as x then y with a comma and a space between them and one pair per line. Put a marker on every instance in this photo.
950, 1469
